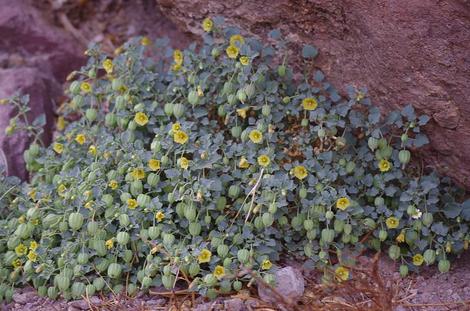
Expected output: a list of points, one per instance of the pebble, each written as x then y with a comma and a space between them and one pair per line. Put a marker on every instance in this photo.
234, 304
289, 283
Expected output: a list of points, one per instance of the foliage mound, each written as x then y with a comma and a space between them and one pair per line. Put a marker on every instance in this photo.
190, 165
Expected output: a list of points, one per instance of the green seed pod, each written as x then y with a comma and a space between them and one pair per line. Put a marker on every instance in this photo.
281, 70
404, 156
78, 289
168, 109
91, 114
117, 84
250, 90
215, 52
194, 269
346, 238
236, 131
190, 213
394, 252
179, 110
237, 285
124, 220
207, 219
98, 283
338, 225
427, 219
308, 224
194, 228
143, 200
321, 133
100, 247
221, 111
329, 215
228, 88
383, 235
373, 143
168, 281
268, 219
136, 187
75, 221
146, 282
74, 87
131, 290
90, 290
266, 110
443, 265
153, 232
193, 98
234, 191
308, 250
114, 270
232, 99
123, 238
303, 192
370, 223
350, 167
429, 256
327, 235
82, 258
403, 270
411, 237
404, 138
311, 235
168, 238
241, 95
52, 293
222, 250
63, 283
379, 201
243, 255
110, 120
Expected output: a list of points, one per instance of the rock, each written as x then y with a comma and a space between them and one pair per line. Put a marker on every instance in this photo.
24, 298
234, 304
155, 302
42, 89
80, 304
402, 51
289, 283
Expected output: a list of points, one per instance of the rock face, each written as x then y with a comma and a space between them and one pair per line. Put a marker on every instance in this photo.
35, 58
404, 52
289, 283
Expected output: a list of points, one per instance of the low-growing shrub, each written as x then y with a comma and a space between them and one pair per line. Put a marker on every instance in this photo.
189, 165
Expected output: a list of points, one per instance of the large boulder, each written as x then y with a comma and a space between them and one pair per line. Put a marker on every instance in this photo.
35, 58
404, 52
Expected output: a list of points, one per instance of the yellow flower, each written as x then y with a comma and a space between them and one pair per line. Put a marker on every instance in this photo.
109, 243
342, 203
232, 51
32, 194
309, 103
384, 165
108, 65
85, 87
418, 259
16, 263
400, 238
392, 222
178, 57
60, 125
180, 137
89, 205
342, 273
207, 24
58, 147
131, 203
141, 118
176, 127
204, 256
32, 256
184, 163
92, 150
176, 67
237, 40
300, 172
138, 173
244, 60
61, 189
33, 245
266, 264
264, 160
243, 163
200, 92
113, 184
154, 164
242, 112
21, 250
159, 216
80, 139
22, 219
145, 41
35, 222
256, 136
219, 272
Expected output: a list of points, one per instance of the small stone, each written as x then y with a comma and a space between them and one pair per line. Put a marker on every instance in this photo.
234, 304
72, 308
80, 304
289, 283
24, 298
156, 302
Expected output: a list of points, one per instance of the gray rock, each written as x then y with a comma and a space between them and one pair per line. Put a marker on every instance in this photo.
234, 304
80, 304
289, 283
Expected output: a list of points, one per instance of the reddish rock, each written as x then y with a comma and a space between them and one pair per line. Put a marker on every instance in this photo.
413, 51
42, 90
